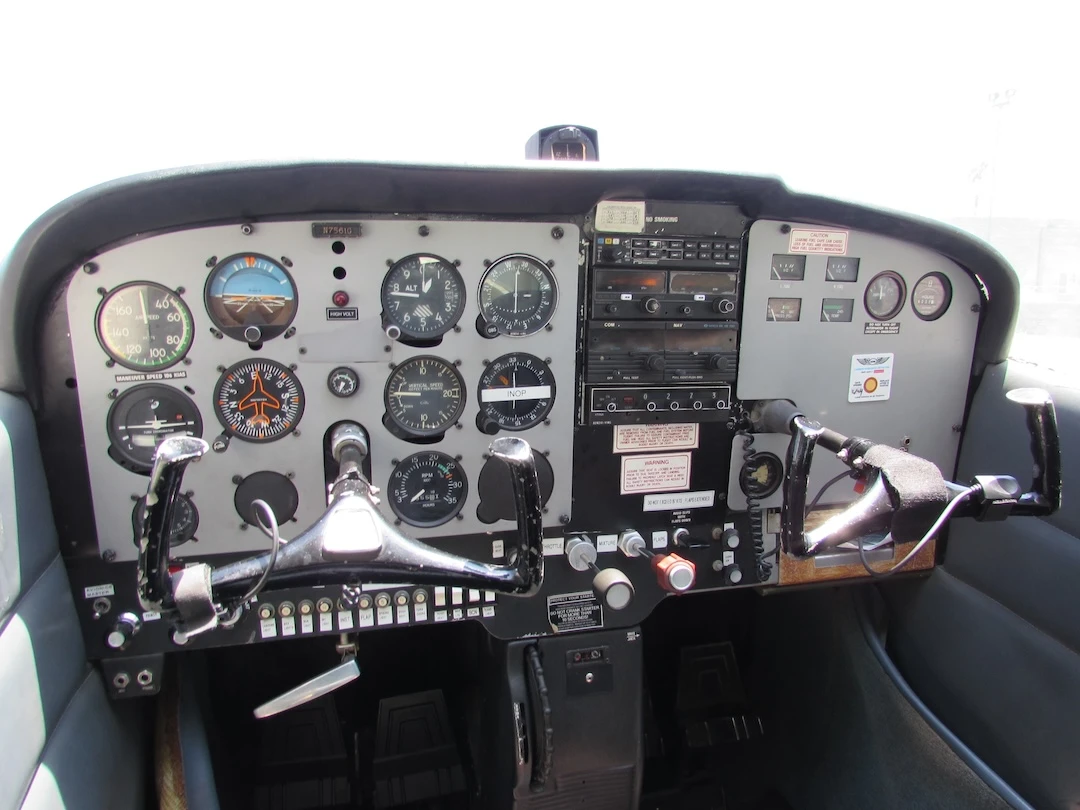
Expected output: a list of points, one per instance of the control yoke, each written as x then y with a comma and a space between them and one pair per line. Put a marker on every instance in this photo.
351, 542
906, 495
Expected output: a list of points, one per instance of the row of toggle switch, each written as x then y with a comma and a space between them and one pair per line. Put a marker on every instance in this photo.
356, 609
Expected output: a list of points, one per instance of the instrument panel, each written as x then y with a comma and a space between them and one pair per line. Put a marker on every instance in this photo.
434, 336
621, 345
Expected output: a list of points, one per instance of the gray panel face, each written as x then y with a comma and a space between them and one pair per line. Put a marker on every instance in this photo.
810, 361
179, 260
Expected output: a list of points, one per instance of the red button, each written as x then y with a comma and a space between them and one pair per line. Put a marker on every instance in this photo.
341, 298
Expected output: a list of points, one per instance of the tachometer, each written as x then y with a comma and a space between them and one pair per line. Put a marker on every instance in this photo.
516, 391
885, 295
427, 489
424, 396
518, 295
259, 400
143, 417
250, 297
931, 297
144, 326
423, 296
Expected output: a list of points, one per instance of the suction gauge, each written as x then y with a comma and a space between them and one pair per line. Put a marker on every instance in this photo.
884, 297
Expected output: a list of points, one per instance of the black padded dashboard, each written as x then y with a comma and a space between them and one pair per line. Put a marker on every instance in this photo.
176, 227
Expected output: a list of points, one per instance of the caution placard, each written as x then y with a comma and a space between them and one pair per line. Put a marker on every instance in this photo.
574, 611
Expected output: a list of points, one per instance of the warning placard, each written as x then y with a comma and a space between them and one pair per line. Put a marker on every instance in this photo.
574, 611
635, 438
655, 473
871, 377
808, 241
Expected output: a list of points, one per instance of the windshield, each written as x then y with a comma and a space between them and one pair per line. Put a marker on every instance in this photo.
963, 115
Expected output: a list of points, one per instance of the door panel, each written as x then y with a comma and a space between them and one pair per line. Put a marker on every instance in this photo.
64, 744
991, 640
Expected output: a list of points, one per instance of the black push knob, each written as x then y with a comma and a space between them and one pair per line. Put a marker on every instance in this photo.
723, 305
611, 309
655, 362
685, 309
715, 362
650, 305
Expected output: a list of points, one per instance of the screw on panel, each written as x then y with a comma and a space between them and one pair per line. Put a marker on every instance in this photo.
386, 348
457, 328
550, 263
458, 457
189, 494
113, 394
293, 367
457, 425
487, 262
181, 290
110, 363
957, 428
187, 361
547, 423
564, 519
785, 228
546, 453
290, 475
423, 230
549, 328
90, 268
459, 516
211, 261
220, 369
101, 291
457, 262
547, 360
243, 527
135, 497
289, 332
285, 260
247, 229
303, 350
237, 479
389, 262
216, 333
108, 555
296, 434
457, 362
976, 308
557, 232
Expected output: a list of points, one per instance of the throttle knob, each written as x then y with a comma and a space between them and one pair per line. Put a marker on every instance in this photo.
673, 573
614, 588
127, 625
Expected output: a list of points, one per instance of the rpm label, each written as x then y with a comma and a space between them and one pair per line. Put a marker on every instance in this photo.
871, 377
668, 472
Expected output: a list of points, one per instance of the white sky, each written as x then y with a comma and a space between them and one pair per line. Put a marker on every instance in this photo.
882, 103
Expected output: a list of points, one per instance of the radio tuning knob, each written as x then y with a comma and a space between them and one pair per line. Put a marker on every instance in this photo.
655, 362
715, 362
650, 305
611, 309
685, 309
723, 305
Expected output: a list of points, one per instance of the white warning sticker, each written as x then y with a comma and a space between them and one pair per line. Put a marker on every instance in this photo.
633, 438
808, 241
620, 217
661, 473
682, 500
871, 377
